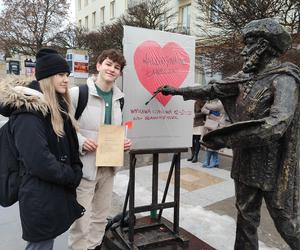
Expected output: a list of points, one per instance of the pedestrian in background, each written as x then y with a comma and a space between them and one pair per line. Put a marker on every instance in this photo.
45, 138
215, 118
198, 128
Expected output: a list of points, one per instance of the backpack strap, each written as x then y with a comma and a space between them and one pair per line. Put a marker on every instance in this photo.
82, 100
122, 103
11, 141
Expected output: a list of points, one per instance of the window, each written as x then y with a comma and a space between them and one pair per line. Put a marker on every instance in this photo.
102, 15
216, 7
86, 2
162, 19
112, 9
86, 20
185, 18
80, 23
94, 19
79, 4
69, 57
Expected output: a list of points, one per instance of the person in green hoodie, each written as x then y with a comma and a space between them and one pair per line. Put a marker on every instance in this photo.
95, 189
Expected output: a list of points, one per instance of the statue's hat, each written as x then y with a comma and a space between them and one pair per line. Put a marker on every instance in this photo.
271, 30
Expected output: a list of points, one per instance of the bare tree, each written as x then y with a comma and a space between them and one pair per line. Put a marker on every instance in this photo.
109, 36
72, 37
231, 15
152, 14
28, 25
221, 55
222, 21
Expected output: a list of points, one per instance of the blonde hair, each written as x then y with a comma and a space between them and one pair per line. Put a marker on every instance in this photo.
50, 96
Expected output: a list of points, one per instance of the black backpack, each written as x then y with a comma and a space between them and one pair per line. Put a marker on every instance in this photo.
11, 169
83, 99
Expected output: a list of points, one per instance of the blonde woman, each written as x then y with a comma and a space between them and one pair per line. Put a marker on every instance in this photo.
45, 138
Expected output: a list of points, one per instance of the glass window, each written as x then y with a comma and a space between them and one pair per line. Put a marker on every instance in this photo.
185, 18
94, 19
79, 4
86, 20
112, 9
80, 23
86, 2
162, 19
102, 15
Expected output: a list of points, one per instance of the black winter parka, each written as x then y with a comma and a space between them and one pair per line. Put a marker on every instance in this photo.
47, 195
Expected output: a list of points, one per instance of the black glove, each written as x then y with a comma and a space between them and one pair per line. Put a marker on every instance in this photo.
168, 90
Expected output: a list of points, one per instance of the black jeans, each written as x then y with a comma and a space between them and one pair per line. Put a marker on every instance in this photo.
42, 245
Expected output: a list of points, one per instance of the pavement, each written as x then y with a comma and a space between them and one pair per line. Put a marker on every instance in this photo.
207, 205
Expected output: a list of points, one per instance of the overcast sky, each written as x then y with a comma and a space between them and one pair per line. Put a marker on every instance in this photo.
72, 9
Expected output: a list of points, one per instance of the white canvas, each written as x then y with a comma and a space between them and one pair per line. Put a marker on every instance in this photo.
156, 58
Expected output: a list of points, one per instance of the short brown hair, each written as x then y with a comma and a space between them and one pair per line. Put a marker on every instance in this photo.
114, 55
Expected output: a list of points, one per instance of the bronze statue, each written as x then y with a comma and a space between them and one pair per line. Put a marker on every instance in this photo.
263, 105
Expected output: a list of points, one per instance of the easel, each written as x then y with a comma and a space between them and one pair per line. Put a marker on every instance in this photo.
160, 232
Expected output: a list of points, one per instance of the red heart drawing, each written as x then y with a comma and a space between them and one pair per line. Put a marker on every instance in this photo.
157, 66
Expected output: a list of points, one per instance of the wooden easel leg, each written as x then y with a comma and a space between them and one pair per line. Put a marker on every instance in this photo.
153, 214
167, 185
177, 194
131, 197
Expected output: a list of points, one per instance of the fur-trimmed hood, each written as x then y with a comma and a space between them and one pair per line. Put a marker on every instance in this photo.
17, 93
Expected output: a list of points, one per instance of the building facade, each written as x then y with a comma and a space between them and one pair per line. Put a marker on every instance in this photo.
93, 14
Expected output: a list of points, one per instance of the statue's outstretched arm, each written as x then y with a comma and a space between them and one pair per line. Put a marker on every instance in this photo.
210, 91
273, 127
